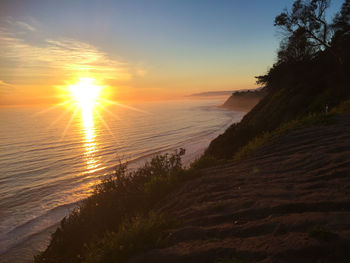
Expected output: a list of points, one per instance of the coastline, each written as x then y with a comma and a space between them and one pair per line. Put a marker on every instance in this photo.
38, 241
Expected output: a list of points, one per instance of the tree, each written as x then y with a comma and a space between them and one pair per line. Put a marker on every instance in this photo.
341, 38
296, 48
308, 17
341, 22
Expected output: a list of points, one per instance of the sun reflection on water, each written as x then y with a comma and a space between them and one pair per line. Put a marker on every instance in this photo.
90, 145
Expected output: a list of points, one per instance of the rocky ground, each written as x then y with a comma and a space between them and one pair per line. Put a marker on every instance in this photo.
289, 202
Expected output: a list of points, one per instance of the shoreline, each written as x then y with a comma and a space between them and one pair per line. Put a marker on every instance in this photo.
39, 240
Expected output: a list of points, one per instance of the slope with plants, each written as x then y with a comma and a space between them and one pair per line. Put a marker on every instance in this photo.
311, 74
286, 202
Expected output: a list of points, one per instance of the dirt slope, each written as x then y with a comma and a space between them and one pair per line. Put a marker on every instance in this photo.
290, 202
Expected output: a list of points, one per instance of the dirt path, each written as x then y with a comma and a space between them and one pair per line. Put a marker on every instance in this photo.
290, 202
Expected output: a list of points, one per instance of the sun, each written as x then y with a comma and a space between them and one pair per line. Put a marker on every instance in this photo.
85, 93
89, 97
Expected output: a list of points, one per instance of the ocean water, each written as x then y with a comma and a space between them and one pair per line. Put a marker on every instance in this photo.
49, 159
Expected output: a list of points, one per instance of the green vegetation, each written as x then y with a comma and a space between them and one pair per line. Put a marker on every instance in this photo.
309, 80
117, 220
255, 143
206, 161
309, 77
137, 234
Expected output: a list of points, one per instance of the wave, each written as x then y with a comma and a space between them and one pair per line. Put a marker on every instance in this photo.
35, 226
63, 182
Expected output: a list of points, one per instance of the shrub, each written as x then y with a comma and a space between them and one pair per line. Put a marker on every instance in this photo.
206, 161
135, 235
121, 197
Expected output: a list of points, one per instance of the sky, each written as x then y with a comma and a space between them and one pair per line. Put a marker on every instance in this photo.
140, 49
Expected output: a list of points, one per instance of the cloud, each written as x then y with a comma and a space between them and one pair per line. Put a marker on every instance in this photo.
18, 26
5, 87
26, 26
66, 56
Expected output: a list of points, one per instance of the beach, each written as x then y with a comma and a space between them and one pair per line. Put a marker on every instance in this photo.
46, 175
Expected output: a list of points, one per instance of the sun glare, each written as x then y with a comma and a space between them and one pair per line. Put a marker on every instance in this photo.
85, 92
91, 98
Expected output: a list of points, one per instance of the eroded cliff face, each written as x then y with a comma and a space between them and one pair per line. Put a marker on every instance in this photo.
244, 100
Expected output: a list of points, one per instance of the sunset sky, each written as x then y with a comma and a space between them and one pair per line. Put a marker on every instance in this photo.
150, 49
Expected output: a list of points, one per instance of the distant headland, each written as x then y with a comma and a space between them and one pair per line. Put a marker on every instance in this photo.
244, 100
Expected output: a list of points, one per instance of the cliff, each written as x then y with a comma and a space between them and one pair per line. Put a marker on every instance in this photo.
244, 100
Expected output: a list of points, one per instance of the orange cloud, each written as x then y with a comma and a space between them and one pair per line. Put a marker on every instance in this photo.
55, 61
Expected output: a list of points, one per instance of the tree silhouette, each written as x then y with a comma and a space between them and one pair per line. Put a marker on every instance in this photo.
341, 38
296, 48
307, 17
341, 23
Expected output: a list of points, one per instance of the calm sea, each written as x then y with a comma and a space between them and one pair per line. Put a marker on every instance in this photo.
50, 160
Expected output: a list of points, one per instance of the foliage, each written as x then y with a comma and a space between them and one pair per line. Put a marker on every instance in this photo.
341, 22
205, 161
136, 234
266, 137
307, 19
122, 199
312, 70
310, 74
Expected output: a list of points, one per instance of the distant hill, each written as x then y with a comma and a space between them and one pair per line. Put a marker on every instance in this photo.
309, 77
244, 100
211, 93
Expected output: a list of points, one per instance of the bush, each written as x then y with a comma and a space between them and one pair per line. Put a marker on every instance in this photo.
121, 197
206, 161
137, 234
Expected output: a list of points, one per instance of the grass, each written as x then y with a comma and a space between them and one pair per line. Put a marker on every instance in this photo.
257, 142
206, 161
134, 236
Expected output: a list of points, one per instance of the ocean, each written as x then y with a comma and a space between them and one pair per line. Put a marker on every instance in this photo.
50, 160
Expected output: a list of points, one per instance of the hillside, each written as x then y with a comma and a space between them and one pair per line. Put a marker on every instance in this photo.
293, 90
287, 203
311, 74
244, 100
